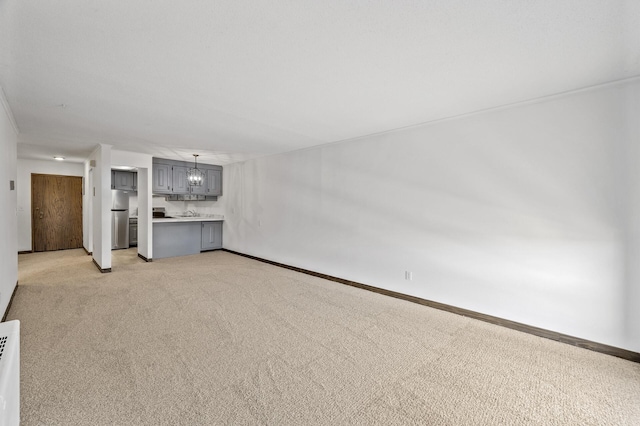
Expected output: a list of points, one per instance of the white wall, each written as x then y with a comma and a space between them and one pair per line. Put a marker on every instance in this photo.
631, 153
133, 204
8, 204
519, 212
100, 192
25, 168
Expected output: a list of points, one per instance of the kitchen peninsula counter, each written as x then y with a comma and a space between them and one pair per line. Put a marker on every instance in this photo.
181, 236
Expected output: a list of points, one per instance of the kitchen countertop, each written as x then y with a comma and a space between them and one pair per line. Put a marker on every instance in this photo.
202, 218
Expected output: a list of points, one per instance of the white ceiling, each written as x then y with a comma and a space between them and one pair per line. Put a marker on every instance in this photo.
233, 79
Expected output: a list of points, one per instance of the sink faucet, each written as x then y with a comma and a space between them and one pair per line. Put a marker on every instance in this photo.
192, 213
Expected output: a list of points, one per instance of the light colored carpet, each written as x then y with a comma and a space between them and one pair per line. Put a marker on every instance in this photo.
217, 338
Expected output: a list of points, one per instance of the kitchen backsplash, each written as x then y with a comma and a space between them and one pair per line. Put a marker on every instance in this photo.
203, 207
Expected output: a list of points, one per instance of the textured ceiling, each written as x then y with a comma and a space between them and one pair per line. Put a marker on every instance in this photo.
238, 79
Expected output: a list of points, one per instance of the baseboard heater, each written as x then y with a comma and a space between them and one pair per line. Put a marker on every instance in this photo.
10, 373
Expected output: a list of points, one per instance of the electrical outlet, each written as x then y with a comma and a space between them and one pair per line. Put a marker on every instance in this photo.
408, 275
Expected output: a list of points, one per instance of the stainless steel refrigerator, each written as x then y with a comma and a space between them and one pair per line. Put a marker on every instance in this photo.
119, 219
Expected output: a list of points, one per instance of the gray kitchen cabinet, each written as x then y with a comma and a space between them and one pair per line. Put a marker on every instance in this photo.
202, 189
133, 231
170, 177
211, 235
122, 180
177, 238
162, 178
214, 182
179, 179
172, 239
181, 183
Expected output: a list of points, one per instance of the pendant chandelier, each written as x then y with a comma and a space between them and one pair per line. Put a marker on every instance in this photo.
195, 176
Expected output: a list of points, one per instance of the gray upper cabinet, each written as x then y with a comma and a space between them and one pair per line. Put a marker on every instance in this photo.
170, 177
211, 235
162, 178
202, 189
214, 182
123, 180
180, 185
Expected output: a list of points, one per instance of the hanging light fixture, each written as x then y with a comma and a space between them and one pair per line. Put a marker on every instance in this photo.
195, 176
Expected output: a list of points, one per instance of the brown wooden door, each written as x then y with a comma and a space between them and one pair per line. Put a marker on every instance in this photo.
56, 212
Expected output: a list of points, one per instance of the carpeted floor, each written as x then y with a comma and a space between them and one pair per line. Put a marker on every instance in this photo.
217, 338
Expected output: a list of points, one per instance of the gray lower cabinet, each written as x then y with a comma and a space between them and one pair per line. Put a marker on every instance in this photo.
211, 235
183, 238
176, 239
133, 232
